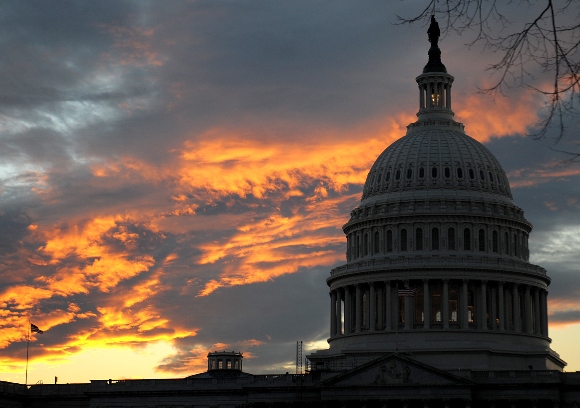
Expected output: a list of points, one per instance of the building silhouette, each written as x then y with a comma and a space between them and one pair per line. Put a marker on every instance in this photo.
437, 305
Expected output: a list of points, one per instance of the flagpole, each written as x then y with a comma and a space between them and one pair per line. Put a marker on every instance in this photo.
27, 346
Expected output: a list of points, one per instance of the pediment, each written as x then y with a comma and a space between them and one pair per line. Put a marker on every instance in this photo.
395, 370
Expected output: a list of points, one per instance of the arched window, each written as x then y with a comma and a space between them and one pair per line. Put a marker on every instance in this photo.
389, 241
388, 177
421, 172
471, 174
490, 176
366, 245
494, 245
376, 243
451, 239
516, 249
467, 239
365, 310
481, 240
419, 239
403, 239
435, 239
447, 172
409, 173
507, 243
459, 173
398, 175
481, 175
434, 172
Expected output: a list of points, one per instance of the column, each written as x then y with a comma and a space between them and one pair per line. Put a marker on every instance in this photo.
389, 306
483, 306
372, 307
426, 305
544, 312
408, 317
445, 305
493, 317
537, 318
358, 308
516, 308
528, 309
347, 310
500, 292
464, 306
421, 97
332, 313
339, 311
381, 308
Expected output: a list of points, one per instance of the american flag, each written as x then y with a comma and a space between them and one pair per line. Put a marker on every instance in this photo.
407, 292
34, 329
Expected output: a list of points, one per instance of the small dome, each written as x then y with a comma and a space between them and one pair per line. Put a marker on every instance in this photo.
433, 161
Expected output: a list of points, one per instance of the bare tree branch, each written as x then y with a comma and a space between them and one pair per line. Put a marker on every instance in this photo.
549, 43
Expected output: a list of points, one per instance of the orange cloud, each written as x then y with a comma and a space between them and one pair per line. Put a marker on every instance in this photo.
487, 117
528, 177
263, 250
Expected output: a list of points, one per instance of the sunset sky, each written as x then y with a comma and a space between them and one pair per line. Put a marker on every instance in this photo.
174, 176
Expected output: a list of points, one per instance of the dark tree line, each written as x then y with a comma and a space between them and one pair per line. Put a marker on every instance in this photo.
546, 45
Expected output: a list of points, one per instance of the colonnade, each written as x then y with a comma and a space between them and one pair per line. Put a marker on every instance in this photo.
435, 92
438, 304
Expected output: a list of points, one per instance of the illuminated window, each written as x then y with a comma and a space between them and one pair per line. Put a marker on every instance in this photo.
220, 365
470, 307
453, 305
436, 305
419, 308
229, 364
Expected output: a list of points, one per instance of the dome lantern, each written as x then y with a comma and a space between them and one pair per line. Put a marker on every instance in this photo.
435, 83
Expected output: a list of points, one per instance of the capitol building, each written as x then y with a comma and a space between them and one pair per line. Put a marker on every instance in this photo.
437, 305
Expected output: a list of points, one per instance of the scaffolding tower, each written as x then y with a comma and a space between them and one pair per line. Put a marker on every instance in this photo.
299, 357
